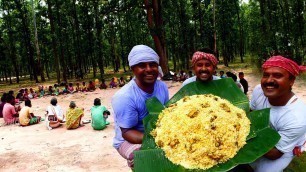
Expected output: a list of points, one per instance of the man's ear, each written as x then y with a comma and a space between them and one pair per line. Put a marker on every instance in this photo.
291, 80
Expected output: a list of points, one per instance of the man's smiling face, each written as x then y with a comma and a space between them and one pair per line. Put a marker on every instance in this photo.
276, 82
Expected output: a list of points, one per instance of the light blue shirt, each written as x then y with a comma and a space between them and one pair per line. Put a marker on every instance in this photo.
130, 109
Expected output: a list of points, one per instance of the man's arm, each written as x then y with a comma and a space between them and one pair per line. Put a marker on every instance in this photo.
131, 135
273, 154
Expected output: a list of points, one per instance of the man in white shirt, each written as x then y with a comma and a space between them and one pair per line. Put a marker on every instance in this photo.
286, 115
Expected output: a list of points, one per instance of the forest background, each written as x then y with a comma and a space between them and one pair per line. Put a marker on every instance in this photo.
64, 39
60, 40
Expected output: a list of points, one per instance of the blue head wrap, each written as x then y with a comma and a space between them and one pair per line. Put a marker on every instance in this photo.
142, 53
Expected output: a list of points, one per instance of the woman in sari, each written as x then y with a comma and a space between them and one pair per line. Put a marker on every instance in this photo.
74, 116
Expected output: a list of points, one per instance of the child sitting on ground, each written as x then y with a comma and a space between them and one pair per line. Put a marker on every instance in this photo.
103, 85
113, 84
41, 90
84, 87
32, 94
70, 88
99, 114
77, 87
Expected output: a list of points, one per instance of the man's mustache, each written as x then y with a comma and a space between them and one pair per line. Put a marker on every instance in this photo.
272, 84
204, 71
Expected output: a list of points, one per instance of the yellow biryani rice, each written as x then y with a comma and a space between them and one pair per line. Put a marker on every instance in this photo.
201, 131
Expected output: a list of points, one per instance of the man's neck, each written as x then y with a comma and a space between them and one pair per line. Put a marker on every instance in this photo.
146, 88
210, 79
281, 101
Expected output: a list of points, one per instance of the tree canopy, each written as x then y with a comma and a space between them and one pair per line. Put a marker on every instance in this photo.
72, 37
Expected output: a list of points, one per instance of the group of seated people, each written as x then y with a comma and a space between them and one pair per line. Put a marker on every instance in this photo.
12, 113
115, 82
73, 117
55, 117
25, 93
181, 76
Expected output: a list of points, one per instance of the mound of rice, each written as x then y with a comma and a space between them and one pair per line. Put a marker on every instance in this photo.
201, 131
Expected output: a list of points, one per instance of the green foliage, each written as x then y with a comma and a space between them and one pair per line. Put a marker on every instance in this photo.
260, 140
99, 34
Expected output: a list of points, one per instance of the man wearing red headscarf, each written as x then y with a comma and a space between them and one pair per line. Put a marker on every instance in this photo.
204, 66
287, 111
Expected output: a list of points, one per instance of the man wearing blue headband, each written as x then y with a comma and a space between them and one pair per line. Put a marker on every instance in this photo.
129, 102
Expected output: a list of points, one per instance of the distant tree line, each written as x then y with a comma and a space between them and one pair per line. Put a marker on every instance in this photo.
70, 38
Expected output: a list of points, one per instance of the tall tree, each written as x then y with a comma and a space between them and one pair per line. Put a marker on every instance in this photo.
155, 23
39, 66
23, 14
54, 44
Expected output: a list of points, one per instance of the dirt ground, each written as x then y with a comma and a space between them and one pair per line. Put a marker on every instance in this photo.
35, 148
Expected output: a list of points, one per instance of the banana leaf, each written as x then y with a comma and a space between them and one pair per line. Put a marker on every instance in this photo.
259, 141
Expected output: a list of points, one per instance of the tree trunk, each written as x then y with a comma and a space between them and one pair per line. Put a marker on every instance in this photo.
39, 66
53, 37
121, 43
27, 38
240, 34
98, 39
60, 42
157, 32
215, 29
80, 60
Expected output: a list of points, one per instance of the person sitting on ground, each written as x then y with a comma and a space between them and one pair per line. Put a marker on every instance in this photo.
97, 83
234, 77
84, 87
32, 94
243, 82
41, 90
74, 116
189, 75
113, 84
26, 94
51, 91
129, 78
11, 92
19, 96
121, 82
65, 90
3, 101
116, 80
175, 78
56, 90
77, 87
91, 86
183, 76
129, 102
55, 115
26, 116
70, 88
98, 120
103, 85
10, 112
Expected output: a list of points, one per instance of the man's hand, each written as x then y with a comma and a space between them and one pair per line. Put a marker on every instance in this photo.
297, 151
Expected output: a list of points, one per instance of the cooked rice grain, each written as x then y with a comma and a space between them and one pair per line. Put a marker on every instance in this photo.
201, 131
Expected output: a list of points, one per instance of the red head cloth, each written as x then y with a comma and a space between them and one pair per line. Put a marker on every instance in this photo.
201, 55
287, 64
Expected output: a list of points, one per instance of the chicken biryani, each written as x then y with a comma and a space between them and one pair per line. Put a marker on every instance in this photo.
201, 131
